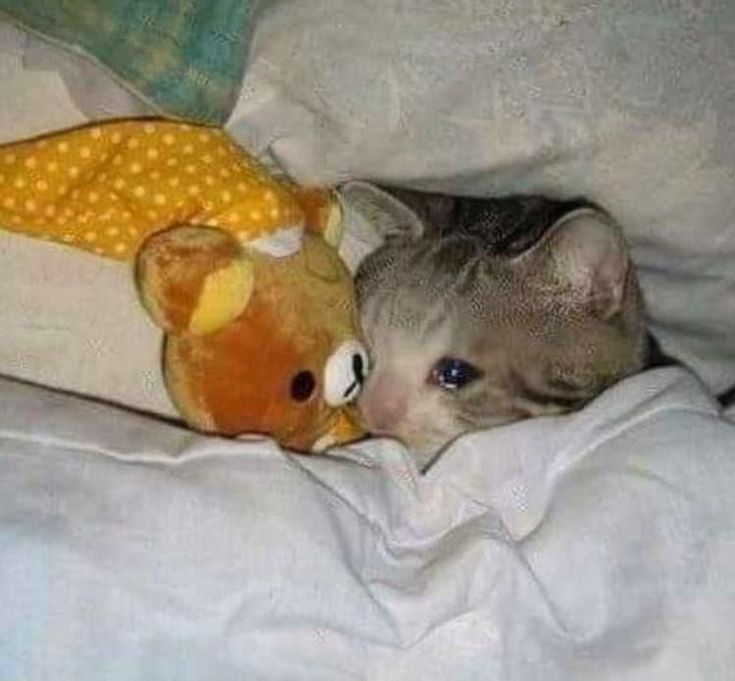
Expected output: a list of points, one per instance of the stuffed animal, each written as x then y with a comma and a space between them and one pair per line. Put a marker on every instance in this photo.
237, 267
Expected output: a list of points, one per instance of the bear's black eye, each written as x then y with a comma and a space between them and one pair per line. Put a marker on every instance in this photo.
302, 386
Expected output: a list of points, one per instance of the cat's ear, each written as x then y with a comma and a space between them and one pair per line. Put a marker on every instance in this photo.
584, 252
389, 216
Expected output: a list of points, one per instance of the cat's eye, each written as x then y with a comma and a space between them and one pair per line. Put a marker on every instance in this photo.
451, 373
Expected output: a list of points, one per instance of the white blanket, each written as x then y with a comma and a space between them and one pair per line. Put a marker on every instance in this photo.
595, 546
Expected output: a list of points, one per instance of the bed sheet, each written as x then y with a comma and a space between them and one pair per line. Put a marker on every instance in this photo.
595, 546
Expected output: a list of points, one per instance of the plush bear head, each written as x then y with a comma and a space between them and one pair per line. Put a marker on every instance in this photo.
254, 343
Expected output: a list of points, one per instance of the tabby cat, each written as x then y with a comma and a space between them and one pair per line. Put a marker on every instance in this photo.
479, 312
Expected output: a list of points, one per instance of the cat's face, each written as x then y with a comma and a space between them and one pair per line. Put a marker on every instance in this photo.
463, 337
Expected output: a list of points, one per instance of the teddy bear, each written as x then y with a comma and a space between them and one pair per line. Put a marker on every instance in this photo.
238, 268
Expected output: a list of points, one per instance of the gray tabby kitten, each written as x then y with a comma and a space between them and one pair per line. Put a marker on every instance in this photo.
479, 312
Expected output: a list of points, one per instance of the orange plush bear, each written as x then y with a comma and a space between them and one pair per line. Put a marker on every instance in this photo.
238, 268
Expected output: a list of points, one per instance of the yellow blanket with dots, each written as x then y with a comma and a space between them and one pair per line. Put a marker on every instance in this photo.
106, 187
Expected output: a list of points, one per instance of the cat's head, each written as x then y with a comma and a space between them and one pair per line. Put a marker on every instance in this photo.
482, 312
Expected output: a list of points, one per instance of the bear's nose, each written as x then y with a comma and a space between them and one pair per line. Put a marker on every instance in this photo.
358, 368
345, 373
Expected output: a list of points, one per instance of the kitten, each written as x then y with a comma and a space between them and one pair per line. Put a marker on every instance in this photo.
479, 312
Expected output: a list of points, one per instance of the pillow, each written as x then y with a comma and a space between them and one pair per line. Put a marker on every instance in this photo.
578, 548
627, 103
68, 318
74, 321
32, 102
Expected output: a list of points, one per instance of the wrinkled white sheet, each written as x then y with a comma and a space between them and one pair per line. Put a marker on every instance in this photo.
595, 546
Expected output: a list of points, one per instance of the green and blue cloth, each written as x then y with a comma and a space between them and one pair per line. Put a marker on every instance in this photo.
184, 57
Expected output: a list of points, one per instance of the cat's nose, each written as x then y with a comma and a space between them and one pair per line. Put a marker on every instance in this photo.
383, 404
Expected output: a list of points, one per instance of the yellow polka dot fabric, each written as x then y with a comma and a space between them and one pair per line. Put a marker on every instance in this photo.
105, 188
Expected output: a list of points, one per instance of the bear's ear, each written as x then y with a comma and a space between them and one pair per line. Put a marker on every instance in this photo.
193, 279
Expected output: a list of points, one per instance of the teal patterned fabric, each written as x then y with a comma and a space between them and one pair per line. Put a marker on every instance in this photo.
184, 57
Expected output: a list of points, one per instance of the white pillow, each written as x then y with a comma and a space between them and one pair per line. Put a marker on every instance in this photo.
73, 321
47, 88
627, 103
584, 548
69, 320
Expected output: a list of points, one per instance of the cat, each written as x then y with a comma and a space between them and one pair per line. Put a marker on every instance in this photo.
479, 312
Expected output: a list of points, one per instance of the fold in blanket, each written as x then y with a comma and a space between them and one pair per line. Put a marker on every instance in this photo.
186, 59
